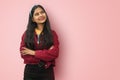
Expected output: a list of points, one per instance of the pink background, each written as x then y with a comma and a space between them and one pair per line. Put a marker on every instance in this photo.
89, 35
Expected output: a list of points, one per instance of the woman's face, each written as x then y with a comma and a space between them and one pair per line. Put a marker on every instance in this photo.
39, 16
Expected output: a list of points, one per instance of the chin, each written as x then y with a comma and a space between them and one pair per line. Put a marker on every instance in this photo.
42, 22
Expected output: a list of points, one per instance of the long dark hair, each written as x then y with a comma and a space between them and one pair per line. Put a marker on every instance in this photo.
47, 38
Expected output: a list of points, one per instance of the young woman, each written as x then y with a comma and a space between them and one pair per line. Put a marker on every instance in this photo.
39, 46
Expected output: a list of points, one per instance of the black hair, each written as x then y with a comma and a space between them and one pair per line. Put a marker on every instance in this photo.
47, 38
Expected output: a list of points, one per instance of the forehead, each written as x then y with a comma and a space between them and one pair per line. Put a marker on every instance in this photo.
38, 10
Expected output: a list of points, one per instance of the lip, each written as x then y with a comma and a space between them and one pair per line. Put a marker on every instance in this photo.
41, 18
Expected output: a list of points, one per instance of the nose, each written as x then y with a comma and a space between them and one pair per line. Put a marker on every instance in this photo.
40, 14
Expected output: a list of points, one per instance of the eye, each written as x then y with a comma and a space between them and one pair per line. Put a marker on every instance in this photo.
42, 12
36, 14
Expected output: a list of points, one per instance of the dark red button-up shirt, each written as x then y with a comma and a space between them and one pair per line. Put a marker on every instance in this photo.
47, 55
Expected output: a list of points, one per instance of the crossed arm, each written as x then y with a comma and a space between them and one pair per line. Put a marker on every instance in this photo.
45, 54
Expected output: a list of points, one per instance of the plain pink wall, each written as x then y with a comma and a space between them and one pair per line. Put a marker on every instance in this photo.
89, 35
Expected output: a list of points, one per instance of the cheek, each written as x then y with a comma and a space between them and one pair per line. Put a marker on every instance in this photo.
44, 15
34, 18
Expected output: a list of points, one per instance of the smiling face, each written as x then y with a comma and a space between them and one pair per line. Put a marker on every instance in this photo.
39, 16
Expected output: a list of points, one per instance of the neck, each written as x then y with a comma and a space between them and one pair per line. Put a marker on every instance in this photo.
40, 26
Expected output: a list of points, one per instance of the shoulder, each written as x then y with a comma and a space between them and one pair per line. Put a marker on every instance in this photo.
24, 34
55, 37
54, 33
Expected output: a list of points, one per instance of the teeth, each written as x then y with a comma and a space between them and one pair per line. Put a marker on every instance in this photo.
41, 18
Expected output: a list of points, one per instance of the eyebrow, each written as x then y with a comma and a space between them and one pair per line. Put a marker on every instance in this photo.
40, 11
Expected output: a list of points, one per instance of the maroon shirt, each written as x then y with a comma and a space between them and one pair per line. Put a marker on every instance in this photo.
47, 55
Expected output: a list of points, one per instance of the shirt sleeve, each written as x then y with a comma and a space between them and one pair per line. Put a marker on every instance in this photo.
22, 44
50, 54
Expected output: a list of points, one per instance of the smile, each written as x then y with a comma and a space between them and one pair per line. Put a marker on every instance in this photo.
41, 18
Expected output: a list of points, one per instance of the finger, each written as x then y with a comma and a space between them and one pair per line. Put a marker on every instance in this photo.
23, 51
24, 48
51, 47
24, 54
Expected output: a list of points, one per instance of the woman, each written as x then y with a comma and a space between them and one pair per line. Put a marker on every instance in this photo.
39, 46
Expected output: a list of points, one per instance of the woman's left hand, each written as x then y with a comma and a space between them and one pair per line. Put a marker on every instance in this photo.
51, 47
27, 51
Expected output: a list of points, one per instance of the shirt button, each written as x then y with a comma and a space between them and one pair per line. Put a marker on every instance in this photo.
46, 65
